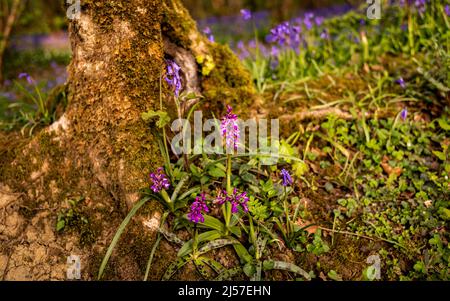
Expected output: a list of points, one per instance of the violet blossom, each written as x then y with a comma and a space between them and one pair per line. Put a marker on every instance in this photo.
401, 82
198, 207
287, 179
159, 180
230, 129
246, 14
27, 77
207, 31
235, 199
404, 114
173, 77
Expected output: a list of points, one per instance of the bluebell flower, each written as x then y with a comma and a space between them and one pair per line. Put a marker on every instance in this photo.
246, 14
404, 114
207, 31
401, 82
286, 177
173, 77
27, 77
325, 35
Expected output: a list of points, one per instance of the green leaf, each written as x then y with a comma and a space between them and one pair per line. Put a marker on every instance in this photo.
196, 171
370, 273
444, 213
236, 231
444, 124
206, 236
60, 225
216, 266
163, 117
212, 223
216, 244
173, 268
285, 266
178, 188
119, 232
440, 155
228, 274
249, 177
249, 269
216, 172
201, 268
300, 168
242, 253
334, 276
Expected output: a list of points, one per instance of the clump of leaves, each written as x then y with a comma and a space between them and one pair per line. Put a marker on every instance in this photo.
74, 219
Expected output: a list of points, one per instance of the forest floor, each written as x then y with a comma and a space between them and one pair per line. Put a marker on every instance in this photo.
358, 195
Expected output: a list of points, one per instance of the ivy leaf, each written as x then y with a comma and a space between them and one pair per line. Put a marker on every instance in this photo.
163, 117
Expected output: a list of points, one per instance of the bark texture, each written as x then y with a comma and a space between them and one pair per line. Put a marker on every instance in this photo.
100, 148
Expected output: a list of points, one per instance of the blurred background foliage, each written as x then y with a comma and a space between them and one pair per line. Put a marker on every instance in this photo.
45, 16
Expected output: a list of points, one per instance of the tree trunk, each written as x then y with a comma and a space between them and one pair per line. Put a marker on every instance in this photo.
12, 16
100, 149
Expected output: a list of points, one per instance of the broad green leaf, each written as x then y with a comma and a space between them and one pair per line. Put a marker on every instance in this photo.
216, 244
174, 267
216, 172
228, 274
242, 253
201, 268
236, 231
285, 266
206, 236
212, 223
216, 266
300, 168
249, 269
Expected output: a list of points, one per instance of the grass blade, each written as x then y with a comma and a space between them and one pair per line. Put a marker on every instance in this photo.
118, 234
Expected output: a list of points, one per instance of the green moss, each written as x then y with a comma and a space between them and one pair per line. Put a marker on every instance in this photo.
177, 24
229, 82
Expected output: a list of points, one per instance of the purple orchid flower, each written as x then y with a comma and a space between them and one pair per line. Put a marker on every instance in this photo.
230, 129
159, 180
197, 209
235, 199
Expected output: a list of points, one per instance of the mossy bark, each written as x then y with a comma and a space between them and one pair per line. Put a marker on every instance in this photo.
119, 53
101, 148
